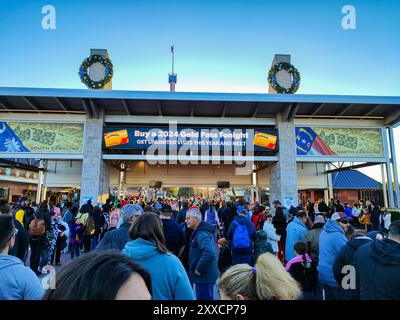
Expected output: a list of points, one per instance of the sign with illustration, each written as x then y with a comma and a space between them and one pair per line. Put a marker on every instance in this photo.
328, 141
263, 139
41, 137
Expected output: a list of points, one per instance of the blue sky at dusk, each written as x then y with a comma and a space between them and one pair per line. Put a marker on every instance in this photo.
223, 46
220, 46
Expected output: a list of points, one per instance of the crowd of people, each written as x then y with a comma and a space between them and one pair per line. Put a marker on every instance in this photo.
199, 248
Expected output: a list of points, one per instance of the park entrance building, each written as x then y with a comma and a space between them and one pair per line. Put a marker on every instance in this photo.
66, 130
102, 142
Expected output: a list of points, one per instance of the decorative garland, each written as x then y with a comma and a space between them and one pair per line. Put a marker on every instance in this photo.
289, 68
83, 71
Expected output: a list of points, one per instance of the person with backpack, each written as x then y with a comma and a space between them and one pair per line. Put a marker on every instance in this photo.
84, 218
211, 217
304, 271
241, 235
39, 224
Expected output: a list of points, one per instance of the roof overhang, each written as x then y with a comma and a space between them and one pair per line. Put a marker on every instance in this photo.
199, 104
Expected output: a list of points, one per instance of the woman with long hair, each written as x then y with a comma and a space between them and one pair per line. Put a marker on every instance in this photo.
101, 276
267, 280
147, 246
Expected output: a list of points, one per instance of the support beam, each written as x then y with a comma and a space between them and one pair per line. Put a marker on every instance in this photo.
395, 171
255, 111
374, 109
3, 104
60, 104
95, 109
293, 111
393, 118
317, 109
87, 109
159, 108
31, 103
191, 109
357, 166
126, 107
224, 109
345, 110
388, 168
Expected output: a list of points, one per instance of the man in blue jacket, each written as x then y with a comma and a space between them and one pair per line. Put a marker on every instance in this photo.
17, 282
295, 232
331, 241
241, 236
203, 260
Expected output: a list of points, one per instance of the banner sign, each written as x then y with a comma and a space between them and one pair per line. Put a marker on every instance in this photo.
41, 137
116, 138
325, 141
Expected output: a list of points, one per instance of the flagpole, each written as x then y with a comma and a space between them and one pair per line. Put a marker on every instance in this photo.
172, 51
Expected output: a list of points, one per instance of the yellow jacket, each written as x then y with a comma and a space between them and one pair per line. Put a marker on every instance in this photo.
19, 215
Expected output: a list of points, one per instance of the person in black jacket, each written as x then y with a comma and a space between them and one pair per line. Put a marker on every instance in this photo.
344, 258
39, 244
173, 234
117, 238
99, 221
378, 267
375, 215
21, 243
280, 224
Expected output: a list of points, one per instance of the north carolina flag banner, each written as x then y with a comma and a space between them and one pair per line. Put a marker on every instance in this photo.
310, 144
9, 141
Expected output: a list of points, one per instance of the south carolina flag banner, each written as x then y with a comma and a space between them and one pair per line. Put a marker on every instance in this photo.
9, 141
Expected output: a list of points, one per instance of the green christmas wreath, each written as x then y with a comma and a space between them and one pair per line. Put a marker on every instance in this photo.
289, 68
84, 76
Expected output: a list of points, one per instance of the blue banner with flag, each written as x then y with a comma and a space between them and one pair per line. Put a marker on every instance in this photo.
9, 141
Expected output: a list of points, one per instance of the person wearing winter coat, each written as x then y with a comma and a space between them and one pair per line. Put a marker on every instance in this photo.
311, 237
331, 240
272, 237
241, 236
173, 234
280, 224
345, 257
17, 282
203, 259
378, 267
116, 239
295, 232
169, 280
376, 218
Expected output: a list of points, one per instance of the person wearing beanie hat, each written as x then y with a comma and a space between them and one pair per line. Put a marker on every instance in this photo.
117, 238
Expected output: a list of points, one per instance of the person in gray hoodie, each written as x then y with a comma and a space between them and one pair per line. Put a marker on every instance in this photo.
17, 282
